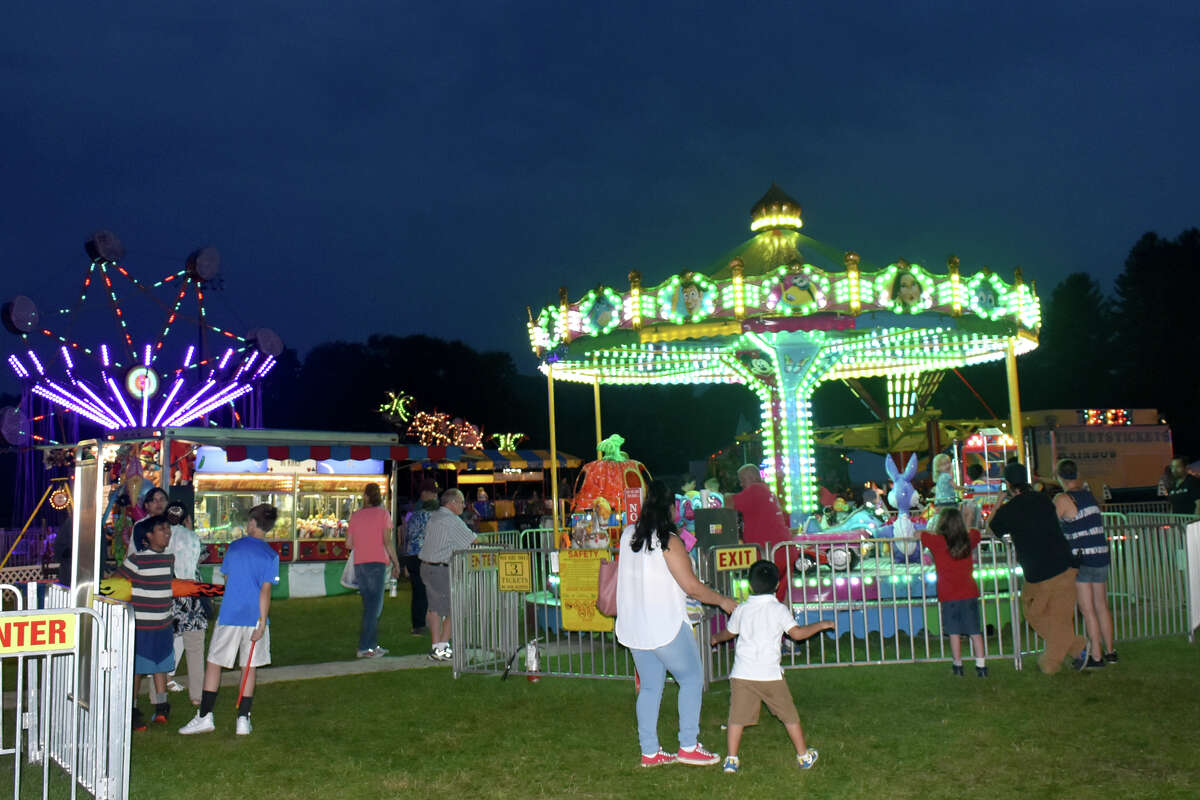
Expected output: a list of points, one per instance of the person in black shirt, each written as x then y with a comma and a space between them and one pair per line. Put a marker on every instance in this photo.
1183, 489
1048, 596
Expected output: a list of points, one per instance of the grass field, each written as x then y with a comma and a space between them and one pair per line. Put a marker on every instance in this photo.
883, 732
897, 732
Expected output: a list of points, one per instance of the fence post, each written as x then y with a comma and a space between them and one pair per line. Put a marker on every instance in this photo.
1014, 598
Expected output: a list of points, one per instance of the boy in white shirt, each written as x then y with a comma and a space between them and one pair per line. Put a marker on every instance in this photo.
757, 676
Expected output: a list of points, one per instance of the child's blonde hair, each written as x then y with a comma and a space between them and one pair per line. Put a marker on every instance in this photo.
941, 463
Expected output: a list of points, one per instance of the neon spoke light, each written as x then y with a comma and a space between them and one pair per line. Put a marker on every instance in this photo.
116, 390
782, 315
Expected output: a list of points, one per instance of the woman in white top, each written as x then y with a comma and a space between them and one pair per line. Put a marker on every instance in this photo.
191, 614
654, 576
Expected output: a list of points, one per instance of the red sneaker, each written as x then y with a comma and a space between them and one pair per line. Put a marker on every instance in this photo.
697, 757
659, 759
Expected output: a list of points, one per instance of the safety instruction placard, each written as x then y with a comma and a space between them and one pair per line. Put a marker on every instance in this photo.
579, 583
36, 633
516, 573
735, 557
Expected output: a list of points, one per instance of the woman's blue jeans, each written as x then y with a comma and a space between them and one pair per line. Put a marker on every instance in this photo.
681, 658
370, 585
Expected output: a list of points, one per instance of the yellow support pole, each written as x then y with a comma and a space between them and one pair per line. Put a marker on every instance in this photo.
596, 400
1014, 399
553, 448
28, 522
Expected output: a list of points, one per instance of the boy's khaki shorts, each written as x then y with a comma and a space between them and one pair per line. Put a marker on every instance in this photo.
228, 640
746, 699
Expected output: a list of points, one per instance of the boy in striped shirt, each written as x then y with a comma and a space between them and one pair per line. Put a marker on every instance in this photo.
149, 572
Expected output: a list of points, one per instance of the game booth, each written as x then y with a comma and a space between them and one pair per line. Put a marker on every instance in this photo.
314, 478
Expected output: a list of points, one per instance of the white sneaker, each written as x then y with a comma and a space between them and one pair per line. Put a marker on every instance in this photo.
201, 723
175, 686
243, 726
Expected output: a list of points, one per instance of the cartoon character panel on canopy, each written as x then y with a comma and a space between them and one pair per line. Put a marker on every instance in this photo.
767, 317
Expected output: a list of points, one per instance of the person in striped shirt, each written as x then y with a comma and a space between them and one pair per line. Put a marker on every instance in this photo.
1083, 526
149, 573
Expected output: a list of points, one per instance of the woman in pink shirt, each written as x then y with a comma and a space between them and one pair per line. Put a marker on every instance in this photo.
372, 547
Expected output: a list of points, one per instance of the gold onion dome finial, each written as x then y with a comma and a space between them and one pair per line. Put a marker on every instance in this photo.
776, 209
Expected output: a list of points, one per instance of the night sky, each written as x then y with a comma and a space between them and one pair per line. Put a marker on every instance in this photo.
434, 168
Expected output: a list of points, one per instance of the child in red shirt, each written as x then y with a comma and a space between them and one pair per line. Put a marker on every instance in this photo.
951, 545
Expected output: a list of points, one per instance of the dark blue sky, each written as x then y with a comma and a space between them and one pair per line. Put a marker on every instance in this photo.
403, 167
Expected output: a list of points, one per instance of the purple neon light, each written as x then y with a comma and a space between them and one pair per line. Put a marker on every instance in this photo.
265, 367
170, 396
211, 404
63, 402
99, 409
188, 412
36, 363
104, 355
145, 407
187, 359
112, 385
146, 356
225, 358
170, 420
18, 367
101, 404
66, 354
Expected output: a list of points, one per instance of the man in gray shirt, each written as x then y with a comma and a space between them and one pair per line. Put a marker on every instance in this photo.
444, 533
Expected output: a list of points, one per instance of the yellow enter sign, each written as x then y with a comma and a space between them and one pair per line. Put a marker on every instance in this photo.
22, 633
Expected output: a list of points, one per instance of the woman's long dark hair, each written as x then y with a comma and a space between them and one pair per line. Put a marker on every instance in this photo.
950, 525
655, 521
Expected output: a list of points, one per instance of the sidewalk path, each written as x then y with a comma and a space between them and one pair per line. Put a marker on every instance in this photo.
301, 672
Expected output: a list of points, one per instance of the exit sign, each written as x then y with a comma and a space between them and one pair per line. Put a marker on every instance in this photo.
736, 557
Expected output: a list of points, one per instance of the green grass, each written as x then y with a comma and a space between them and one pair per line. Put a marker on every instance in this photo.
898, 731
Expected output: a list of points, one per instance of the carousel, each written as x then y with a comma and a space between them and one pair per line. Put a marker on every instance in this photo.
781, 314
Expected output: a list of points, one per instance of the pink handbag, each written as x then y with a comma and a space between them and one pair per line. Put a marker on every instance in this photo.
606, 596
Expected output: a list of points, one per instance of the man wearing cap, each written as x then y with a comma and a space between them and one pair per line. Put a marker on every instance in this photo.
1048, 596
444, 533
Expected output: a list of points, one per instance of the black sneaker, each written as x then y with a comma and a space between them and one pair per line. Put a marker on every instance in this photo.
1096, 663
1111, 658
981, 672
957, 669
137, 721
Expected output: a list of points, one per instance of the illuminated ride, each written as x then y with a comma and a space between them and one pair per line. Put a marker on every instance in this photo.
161, 362
781, 314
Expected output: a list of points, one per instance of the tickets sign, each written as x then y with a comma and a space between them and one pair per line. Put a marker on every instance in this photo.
21, 634
735, 557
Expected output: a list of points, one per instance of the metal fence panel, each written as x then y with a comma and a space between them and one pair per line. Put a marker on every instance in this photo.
73, 708
881, 593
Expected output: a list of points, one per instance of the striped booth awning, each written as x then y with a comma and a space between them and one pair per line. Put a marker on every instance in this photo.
491, 460
349, 452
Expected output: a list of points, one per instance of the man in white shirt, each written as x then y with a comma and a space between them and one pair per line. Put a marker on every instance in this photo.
444, 533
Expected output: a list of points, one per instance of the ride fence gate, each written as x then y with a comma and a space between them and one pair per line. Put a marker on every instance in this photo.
880, 593
66, 674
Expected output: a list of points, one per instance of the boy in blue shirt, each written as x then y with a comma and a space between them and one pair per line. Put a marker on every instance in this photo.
757, 676
251, 568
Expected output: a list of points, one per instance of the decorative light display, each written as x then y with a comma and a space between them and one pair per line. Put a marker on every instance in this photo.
1105, 416
781, 329
398, 407
436, 429
121, 387
508, 441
